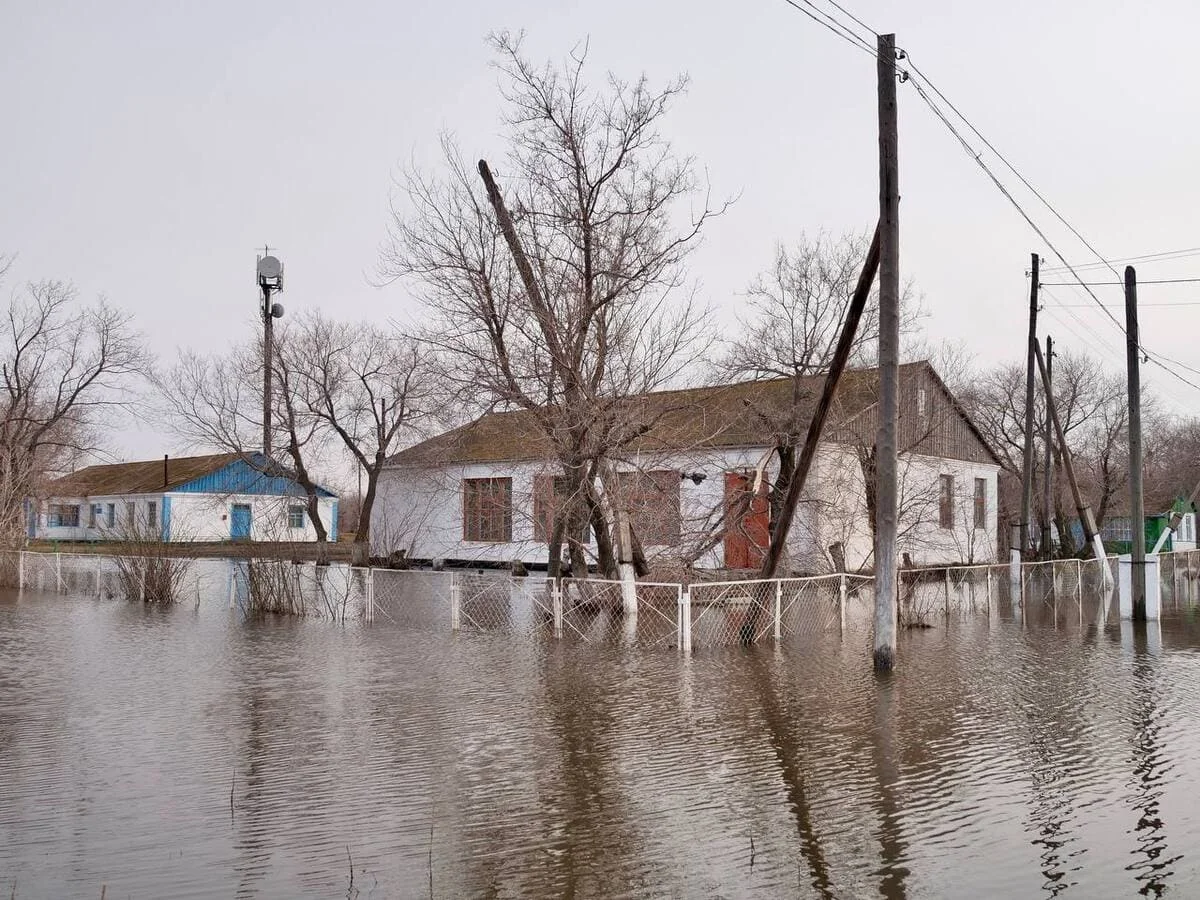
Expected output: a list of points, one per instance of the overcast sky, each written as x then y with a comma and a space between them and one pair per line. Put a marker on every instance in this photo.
150, 148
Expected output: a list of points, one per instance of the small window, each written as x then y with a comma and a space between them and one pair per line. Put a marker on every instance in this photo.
152, 514
296, 516
920, 401
487, 509
110, 515
130, 515
981, 503
946, 501
94, 513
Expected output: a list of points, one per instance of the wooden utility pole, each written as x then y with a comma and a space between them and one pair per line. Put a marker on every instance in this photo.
1030, 348
1137, 508
889, 359
841, 355
1048, 473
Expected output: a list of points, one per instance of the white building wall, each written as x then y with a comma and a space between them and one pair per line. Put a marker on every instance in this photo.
193, 517
208, 517
420, 510
124, 505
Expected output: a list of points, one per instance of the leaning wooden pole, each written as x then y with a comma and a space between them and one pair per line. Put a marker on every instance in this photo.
886, 504
858, 302
1047, 469
1086, 519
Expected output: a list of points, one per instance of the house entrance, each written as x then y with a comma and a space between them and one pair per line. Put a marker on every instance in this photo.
748, 522
239, 522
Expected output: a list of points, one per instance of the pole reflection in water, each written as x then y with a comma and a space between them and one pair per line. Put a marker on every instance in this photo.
1153, 864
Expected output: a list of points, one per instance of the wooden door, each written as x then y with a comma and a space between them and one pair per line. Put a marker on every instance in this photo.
748, 525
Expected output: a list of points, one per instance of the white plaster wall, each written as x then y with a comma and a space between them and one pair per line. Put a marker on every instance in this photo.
207, 517
121, 523
921, 534
420, 511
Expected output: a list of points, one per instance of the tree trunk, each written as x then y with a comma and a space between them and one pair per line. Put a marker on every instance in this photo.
362, 531
606, 561
310, 491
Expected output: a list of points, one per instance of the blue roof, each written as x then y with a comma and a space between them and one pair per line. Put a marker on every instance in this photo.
255, 474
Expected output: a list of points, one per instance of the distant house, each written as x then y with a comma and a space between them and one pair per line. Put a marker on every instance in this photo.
486, 492
226, 496
1117, 530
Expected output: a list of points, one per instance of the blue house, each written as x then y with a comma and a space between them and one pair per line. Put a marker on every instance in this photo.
225, 496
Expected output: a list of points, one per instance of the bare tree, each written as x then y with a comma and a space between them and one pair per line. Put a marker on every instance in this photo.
1091, 405
797, 311
369, 387
602, 312
64, 364
216, 401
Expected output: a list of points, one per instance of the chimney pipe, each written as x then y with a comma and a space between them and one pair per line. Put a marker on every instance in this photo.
166, 480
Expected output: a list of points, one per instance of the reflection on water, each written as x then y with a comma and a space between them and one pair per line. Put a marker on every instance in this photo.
189, 753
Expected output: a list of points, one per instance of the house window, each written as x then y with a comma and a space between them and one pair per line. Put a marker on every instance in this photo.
152, 514
487, 509
652, 500
130, 515
110, 515
920, 401
95, 511
63, 515
981, 503
946, 501
549, 496
295, 517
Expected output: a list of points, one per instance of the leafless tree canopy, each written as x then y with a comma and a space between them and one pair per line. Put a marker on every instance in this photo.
596, 196
371, 389
64, 365
797, 307
352, 386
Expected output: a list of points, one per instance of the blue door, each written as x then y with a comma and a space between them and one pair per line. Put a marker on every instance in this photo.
239, 522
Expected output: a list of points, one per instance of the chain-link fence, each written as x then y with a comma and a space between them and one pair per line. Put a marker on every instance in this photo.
653, 615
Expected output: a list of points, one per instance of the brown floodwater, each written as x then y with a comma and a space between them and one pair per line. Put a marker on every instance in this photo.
189, 752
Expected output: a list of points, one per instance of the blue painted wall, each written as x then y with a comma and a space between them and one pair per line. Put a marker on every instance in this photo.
240, 477
333, 524
166, 519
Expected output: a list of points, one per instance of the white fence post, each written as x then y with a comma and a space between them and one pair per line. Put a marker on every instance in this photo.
58, 581
369, 596
99, 575
778, 608
556, 606
20, 570
142, 579
455, 603
685, 620
842, 604
947, 592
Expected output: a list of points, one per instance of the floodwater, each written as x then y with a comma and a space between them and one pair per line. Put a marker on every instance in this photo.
186, 752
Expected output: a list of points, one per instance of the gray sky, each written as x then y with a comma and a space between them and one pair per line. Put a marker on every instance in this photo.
150, 148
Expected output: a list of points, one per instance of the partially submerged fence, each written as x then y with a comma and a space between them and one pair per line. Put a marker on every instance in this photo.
699, 614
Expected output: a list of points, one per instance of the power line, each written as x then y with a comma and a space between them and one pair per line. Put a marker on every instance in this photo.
846, 33
1122, 283
833, 25
1140, 304
854, 17
1165, 256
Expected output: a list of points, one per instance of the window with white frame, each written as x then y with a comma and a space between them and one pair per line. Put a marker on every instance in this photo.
295, 517
151, 514
110, 515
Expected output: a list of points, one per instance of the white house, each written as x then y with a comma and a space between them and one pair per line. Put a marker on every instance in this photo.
485, 492
226, 496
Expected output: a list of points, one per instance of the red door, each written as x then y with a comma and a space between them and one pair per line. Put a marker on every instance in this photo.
748, 525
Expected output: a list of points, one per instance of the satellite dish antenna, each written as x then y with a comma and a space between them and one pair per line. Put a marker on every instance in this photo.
277, 310
269, 267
